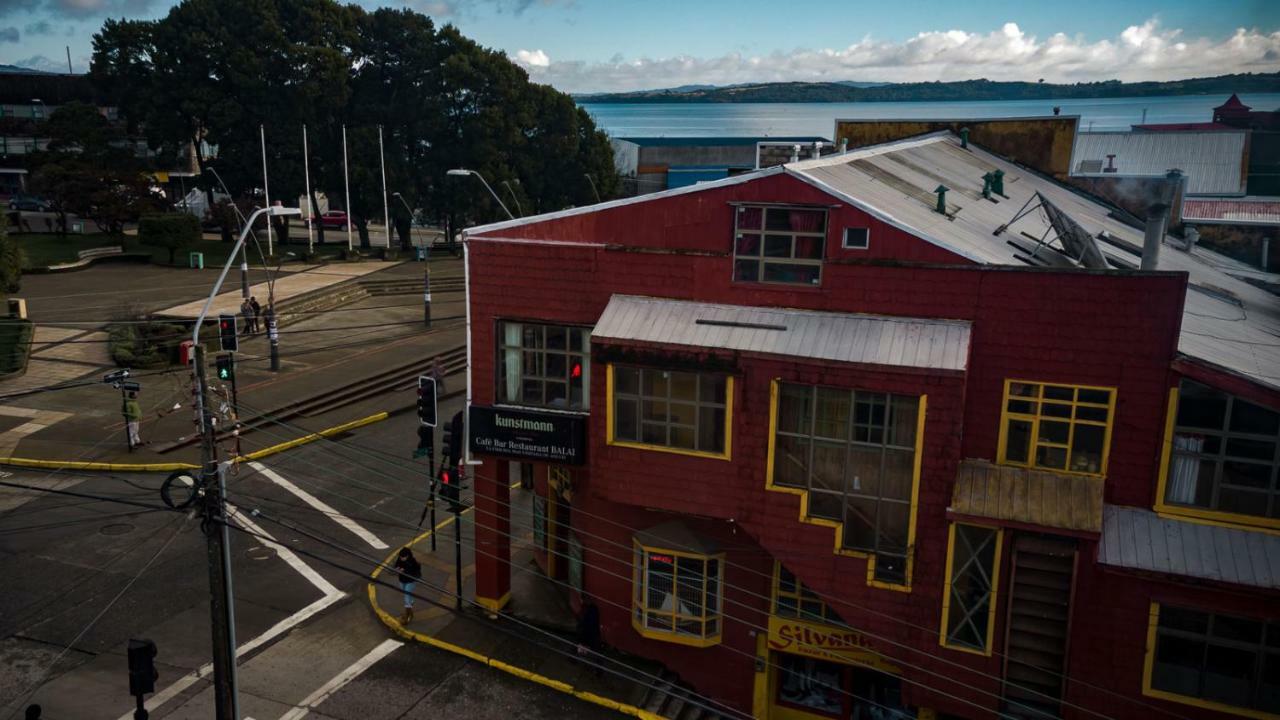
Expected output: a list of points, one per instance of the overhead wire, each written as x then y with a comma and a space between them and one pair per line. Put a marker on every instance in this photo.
35, 686
710, 705
395, 461
752, 626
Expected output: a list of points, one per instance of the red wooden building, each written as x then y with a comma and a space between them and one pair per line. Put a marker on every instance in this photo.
826, 444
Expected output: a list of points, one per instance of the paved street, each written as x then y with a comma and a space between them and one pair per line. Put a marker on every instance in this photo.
309, 642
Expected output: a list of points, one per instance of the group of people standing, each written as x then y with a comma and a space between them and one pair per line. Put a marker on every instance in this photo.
251, 309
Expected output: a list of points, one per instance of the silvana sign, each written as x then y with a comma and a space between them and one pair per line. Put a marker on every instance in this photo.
824, 642
528, 435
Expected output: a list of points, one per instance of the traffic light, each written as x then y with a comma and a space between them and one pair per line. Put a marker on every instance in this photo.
449, 486
446, 446
226, 367
228, 335
426, 442
142, 667
427, 400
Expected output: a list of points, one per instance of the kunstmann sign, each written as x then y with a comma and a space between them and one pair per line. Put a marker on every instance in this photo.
529, 435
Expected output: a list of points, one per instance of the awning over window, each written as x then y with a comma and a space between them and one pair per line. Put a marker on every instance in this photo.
1015, 495
673, 535
841, 337
1142, 540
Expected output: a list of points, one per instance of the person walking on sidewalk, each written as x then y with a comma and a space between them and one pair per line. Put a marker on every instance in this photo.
246, 311
132, 419
410, 570
257, 314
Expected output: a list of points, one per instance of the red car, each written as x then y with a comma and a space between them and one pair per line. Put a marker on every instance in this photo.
334, 219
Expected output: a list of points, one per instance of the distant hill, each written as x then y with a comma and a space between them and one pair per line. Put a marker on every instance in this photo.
847, 91
17, 70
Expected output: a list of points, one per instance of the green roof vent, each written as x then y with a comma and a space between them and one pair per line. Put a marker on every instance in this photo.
964, 137
942, 199
997, 183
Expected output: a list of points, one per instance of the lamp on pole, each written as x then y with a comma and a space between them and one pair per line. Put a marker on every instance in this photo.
593, 186
514, 197
213, 507
462, 172
426, 265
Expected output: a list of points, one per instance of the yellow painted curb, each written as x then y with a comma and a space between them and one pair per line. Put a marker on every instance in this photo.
558, 685
172, 466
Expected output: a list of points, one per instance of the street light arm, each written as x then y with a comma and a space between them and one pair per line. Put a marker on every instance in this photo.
231, 257
494, 194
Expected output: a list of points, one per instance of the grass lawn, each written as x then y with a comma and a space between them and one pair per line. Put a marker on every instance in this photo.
45, 249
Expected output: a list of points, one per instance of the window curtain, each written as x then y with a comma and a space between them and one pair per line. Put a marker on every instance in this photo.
512, 360
805, 220
750, 218
1184, 472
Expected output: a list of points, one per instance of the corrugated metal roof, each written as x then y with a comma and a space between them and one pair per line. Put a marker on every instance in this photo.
1212, 161
1034, 497
1235, 329
839, 337
1245, 210
1142, 540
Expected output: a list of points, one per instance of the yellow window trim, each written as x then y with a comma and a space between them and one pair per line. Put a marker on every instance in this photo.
995, 590
1193, 514
670, 635
1005, 415
728, 425
799, 596
838, 548
1153, 623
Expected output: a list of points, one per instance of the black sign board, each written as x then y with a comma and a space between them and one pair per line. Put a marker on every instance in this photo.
528, 435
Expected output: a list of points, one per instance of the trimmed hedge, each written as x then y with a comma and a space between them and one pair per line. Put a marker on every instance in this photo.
149, 345
15, 345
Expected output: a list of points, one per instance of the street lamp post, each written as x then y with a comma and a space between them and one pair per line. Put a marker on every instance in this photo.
426, 266
514, 197
222, 608
462, 172
593, 186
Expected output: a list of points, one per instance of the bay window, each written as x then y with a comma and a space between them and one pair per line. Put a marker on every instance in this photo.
678, 595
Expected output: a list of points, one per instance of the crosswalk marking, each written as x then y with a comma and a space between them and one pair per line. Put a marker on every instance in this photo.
336, 682
320, 505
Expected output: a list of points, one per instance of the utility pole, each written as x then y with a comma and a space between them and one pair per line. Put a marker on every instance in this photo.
273, 331
457, 533
426, 284
218, 554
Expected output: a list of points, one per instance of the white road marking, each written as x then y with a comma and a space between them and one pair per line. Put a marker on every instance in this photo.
331, 596
321, 505
338, 681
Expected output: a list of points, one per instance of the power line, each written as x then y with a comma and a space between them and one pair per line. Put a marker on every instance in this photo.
760, 628
933, 631
110, 604
375, 581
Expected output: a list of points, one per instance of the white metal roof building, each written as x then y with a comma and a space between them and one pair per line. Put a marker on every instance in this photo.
1227, 322
1215, 163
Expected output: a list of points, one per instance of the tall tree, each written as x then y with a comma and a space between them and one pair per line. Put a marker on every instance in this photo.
211, 71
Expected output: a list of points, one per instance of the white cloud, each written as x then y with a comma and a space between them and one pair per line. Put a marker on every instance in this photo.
1140, 52
533, 58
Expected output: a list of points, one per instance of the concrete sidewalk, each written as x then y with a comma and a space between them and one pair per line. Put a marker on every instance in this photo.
299, 281
544, 653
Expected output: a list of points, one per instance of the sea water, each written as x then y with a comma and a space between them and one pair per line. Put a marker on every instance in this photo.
818, 119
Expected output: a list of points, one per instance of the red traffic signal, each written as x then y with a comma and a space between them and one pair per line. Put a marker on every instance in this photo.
228, 336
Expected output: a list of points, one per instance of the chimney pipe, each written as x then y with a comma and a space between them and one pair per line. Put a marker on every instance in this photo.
1158, 220
1111, 164
844, 145
795, 153
817, 148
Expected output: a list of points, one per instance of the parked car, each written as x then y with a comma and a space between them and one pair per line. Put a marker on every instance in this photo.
30, 203
334, 219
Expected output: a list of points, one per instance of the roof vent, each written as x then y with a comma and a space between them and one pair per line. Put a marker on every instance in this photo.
986, 186
997, 183
964, 137
941, 190
1111, 164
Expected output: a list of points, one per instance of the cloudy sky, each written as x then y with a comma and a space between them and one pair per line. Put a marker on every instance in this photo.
609, 45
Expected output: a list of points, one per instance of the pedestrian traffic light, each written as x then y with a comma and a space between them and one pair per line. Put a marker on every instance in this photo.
226, 367
446, 446
427, 400
142, 667
228, 335
450, 484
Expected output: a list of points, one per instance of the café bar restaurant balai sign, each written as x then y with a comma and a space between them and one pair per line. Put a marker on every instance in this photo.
527, 435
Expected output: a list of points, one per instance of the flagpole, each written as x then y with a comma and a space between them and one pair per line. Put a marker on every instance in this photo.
346, 179
386, 213
311, 211
266, 190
